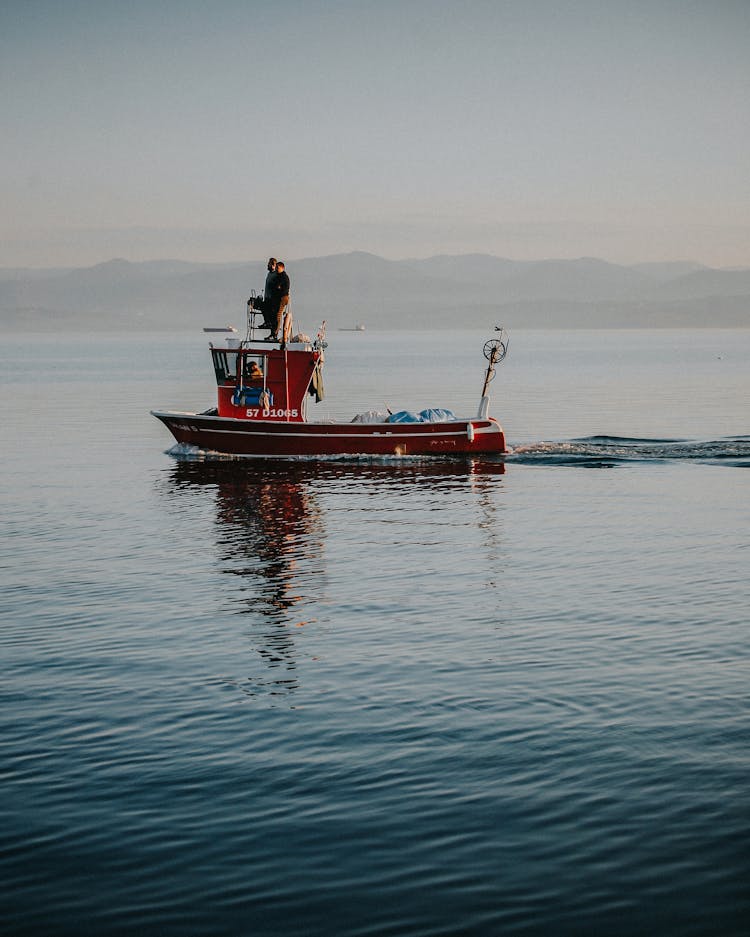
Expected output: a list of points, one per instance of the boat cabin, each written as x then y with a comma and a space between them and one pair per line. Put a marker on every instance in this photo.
257, 382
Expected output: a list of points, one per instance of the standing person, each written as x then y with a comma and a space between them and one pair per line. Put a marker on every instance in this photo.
270, 298
282, 291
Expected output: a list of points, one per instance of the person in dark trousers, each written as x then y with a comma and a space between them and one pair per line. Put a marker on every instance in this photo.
282, 291
270, 298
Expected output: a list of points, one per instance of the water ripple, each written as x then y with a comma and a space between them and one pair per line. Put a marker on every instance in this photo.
606, 451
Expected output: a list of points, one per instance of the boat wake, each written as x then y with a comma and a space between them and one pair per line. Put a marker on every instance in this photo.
590, 452
185, 452
606, 451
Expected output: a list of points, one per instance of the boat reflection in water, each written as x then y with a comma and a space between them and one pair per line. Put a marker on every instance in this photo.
272, 520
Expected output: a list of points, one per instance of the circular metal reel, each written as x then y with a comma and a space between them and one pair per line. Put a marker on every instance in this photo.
496, 349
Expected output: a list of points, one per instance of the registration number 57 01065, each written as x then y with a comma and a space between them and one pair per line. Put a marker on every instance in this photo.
255, 412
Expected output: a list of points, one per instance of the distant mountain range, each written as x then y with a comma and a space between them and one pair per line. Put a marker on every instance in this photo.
472, 290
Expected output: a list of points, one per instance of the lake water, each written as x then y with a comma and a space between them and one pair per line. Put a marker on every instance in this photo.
379, 698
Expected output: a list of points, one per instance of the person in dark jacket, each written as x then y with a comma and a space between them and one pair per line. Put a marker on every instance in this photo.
282, 291
270, 298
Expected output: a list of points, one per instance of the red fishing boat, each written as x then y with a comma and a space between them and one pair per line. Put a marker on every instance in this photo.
263, 391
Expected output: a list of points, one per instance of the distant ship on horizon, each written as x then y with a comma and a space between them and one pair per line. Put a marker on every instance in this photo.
357, 328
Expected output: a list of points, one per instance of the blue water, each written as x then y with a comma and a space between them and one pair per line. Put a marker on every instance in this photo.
379, 698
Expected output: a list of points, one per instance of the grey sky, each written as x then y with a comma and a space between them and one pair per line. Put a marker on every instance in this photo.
230, 130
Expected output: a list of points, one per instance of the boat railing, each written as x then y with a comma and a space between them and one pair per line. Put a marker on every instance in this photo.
255, 308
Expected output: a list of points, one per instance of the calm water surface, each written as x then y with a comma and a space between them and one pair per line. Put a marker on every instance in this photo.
379, 698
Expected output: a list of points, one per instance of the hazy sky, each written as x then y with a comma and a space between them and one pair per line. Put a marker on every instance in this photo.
231, 129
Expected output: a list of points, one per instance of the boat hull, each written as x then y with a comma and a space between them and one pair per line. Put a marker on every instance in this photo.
273, 439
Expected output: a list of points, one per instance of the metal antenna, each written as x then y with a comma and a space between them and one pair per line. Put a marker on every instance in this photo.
495, 351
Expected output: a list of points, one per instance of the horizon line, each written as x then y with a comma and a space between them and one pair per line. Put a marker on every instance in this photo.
365, 253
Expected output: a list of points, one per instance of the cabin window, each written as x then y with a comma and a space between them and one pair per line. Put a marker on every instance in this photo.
225, 366
254, 369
